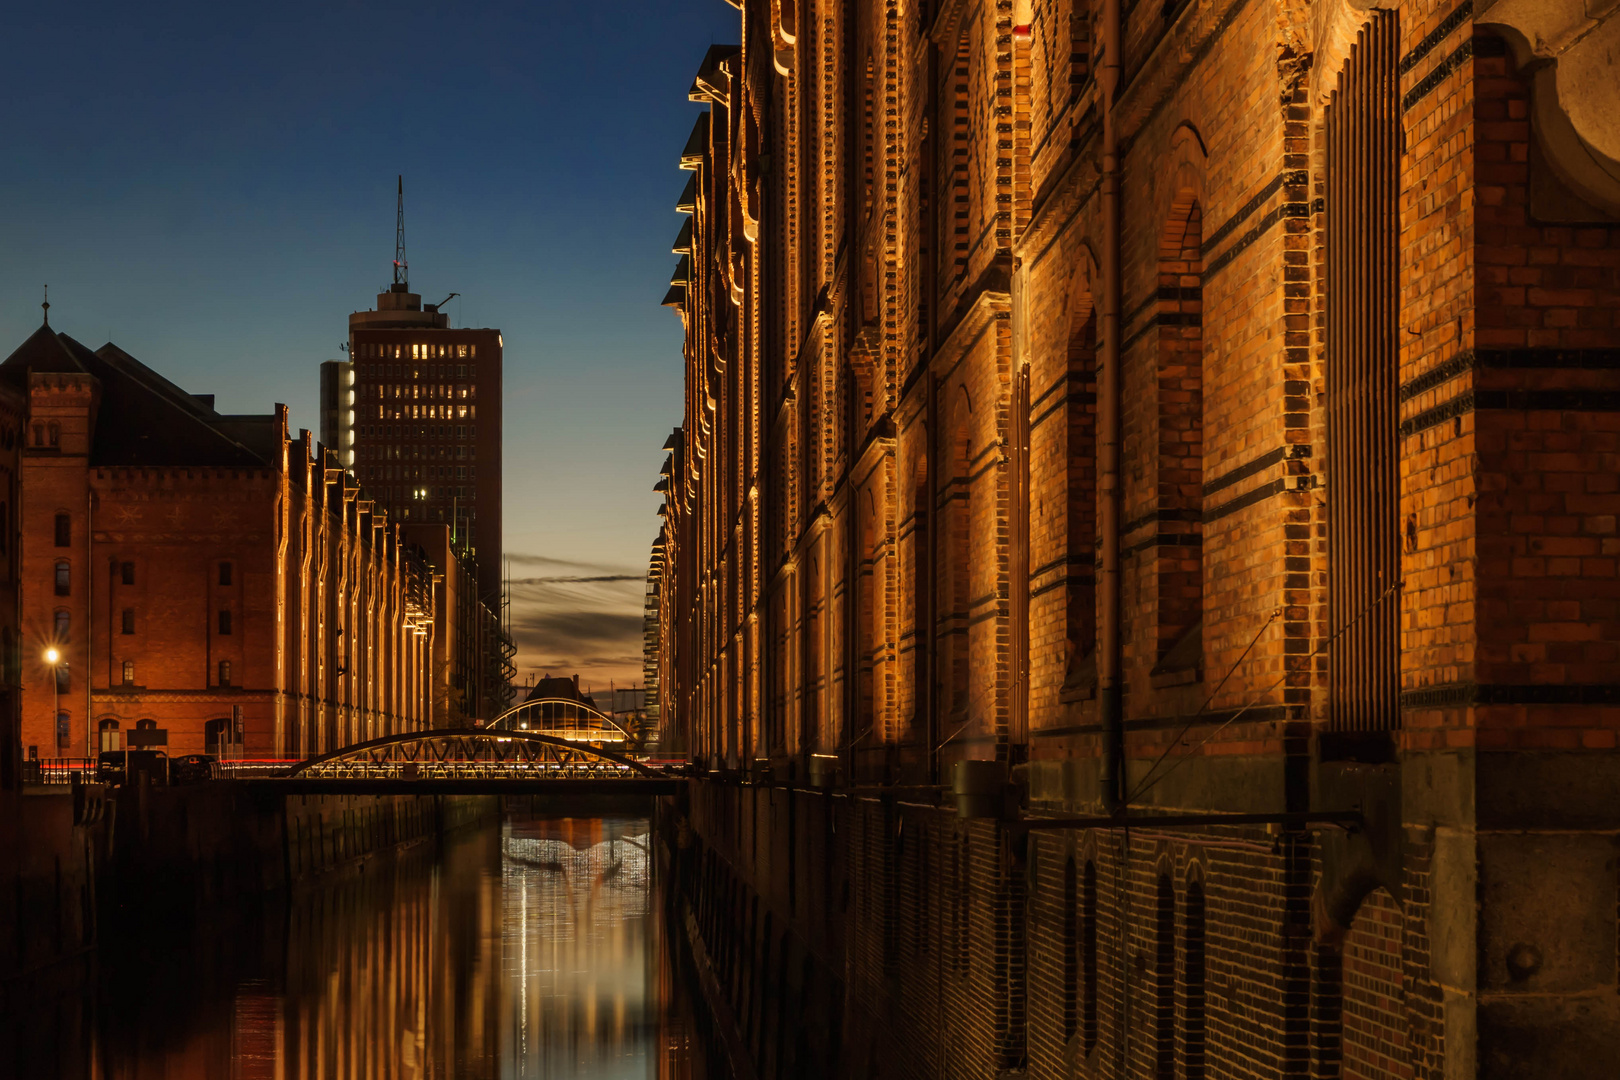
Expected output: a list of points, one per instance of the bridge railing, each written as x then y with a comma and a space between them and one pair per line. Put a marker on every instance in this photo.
466, 770
257, 769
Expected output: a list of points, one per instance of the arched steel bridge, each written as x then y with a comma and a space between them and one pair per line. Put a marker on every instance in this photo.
562, 718
476, 761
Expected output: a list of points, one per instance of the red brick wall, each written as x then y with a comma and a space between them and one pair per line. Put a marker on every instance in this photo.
919, 375
307, 672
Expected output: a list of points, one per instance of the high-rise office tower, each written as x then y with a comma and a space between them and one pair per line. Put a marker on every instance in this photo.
337, 410
427, 418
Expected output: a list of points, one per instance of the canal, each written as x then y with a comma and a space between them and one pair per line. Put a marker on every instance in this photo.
531, 947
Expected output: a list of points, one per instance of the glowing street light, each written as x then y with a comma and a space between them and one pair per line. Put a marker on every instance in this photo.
53, 657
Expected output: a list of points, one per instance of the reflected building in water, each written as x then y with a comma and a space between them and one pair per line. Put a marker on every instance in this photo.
534, 949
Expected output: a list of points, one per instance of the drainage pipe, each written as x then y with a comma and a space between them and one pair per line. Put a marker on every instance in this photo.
1110, 643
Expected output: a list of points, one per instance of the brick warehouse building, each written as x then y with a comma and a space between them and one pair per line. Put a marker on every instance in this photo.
207, 574
472, 653
1185, 410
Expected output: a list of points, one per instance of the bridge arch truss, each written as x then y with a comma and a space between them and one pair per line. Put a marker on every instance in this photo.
472, 754
561, 718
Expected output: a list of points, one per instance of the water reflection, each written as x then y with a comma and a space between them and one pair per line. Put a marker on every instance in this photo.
534, 949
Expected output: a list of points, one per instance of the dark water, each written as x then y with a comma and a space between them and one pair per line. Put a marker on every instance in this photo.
531, 949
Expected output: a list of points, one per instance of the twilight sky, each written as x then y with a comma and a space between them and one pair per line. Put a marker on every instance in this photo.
212, 187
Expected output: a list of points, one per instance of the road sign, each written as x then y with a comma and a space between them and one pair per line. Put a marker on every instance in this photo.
145, 737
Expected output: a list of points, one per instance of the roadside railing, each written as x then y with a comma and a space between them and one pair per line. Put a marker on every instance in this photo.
58, 770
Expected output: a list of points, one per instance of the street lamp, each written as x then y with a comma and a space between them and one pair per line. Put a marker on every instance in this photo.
53, 657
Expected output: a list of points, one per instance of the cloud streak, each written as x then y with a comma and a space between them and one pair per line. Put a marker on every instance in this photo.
577, 617
574, 580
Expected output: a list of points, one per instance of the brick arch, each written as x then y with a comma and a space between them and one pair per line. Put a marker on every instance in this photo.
1084, 285
1373, 1027
1185, 166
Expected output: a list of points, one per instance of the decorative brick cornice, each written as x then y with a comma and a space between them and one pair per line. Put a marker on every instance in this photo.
181, 697
1447, 27
1474, 398
1463, 695
1265, 461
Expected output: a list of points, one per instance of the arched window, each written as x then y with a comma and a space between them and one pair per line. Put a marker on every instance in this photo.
1328, 1006
64, 530
1088, 955
129, 673
1164, 980
1080, 612
921, 582
64, 579
224, 673
1071, 949
64, 728
111, 739
1194, 968
53, 433
959, 954
1180, 552
62, 623
216, 736
958, 614
869, 614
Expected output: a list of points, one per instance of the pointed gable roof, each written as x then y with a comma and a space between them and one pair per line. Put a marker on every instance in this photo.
143, 418
43, 351
147, 420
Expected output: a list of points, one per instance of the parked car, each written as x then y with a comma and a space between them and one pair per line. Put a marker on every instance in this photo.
121, 766
191, 768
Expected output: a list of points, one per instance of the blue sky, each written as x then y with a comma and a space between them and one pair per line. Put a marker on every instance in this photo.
212, 187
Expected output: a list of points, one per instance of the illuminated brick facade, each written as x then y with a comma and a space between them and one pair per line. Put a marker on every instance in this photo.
206, 574
1196, 408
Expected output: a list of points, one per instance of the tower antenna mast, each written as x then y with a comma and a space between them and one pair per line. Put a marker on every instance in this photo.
402, 270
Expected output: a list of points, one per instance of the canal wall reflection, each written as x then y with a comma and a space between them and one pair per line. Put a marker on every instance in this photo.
534, 948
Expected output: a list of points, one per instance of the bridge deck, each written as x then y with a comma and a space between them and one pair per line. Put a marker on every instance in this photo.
626, 786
